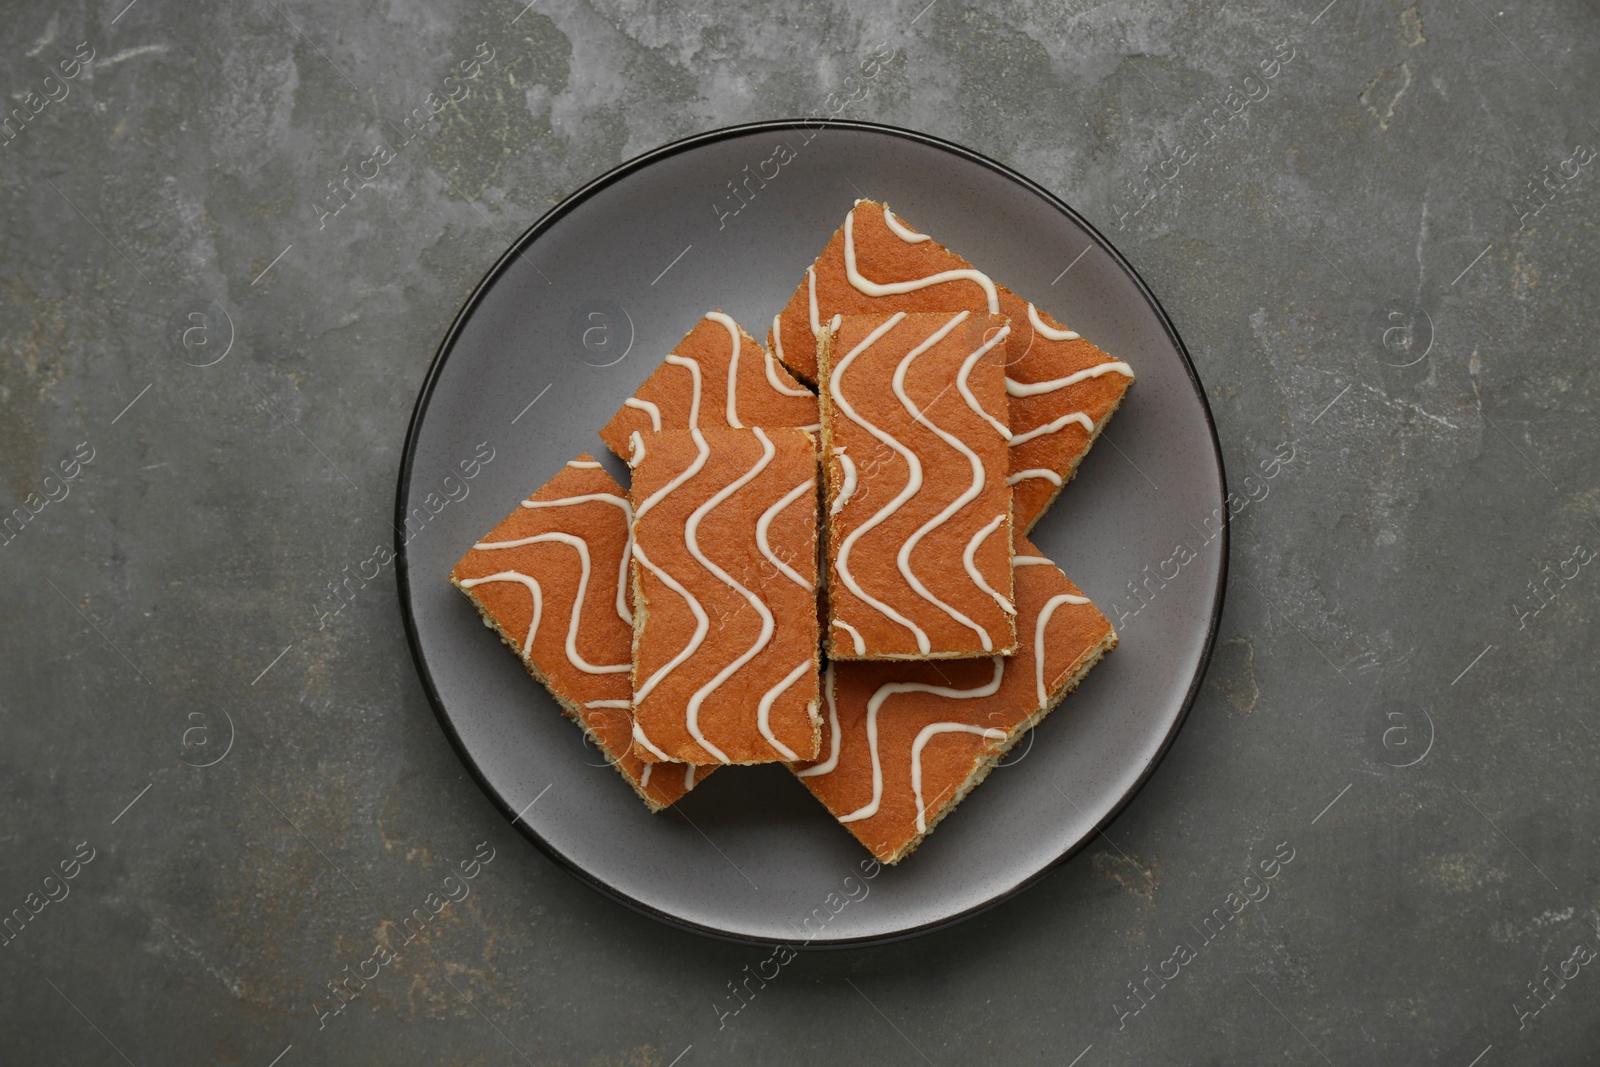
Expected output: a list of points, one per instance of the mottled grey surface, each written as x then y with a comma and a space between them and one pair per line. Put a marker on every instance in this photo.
1384, 260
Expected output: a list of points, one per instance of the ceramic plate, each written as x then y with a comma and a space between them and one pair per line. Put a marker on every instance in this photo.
585, 305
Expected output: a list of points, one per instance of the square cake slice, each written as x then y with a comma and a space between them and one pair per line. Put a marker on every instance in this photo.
718, 375
919, 513
1063, 388
551, 580
906, 742
725, 653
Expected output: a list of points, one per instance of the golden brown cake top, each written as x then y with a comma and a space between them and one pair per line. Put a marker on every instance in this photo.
551, 579
919, 512
718, 375
725, 550
905, 742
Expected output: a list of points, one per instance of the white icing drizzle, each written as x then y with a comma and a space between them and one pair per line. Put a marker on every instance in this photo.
764, 712
584, 464
967, 558
847, 490
923, 737
704, 450
533, 587
1031, 561
903, 557
609, 704
902, 231
912, 487
627, 510
1053, 427
832, 761
691, 538
1048, 331
1038, 637
733, 366
688, 776
577, 603
868, 810
638, 735
1034, 472
861, 644
872, 288
1016, 388
693, 367
778, 384
635, 448
811, 281
833, 323
646, 407
777, 343
701, 625
966, 390
644, 776
765, 522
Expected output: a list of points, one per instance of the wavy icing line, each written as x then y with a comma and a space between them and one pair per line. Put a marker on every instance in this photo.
733, 366
966, 390
763, 713
1052, 427
903, 557
1034, 472
584, 464
923, 737
816, 321
627, 510
638, 735
702, 624
884, 692
635, 448
872, 288
1049, 331
772, 369
832, 761
904, 232
777, 344
765, 522
860, 643
848, 489
691, 538
1032, 561
1038, 636
533, 587
968, 559
1016, 388
912, 487
577, 604
648, 408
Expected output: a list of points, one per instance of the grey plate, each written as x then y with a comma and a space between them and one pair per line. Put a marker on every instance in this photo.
583, 307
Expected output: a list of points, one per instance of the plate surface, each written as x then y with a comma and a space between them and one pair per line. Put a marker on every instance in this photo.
584, 307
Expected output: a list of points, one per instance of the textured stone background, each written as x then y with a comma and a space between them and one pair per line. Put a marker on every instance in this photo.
1374, 209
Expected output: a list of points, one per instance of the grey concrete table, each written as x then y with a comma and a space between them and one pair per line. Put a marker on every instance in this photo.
1374, 225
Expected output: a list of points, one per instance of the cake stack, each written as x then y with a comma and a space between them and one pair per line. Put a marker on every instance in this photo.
822, 559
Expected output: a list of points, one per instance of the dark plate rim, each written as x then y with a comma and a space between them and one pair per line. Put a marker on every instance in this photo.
554, 215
